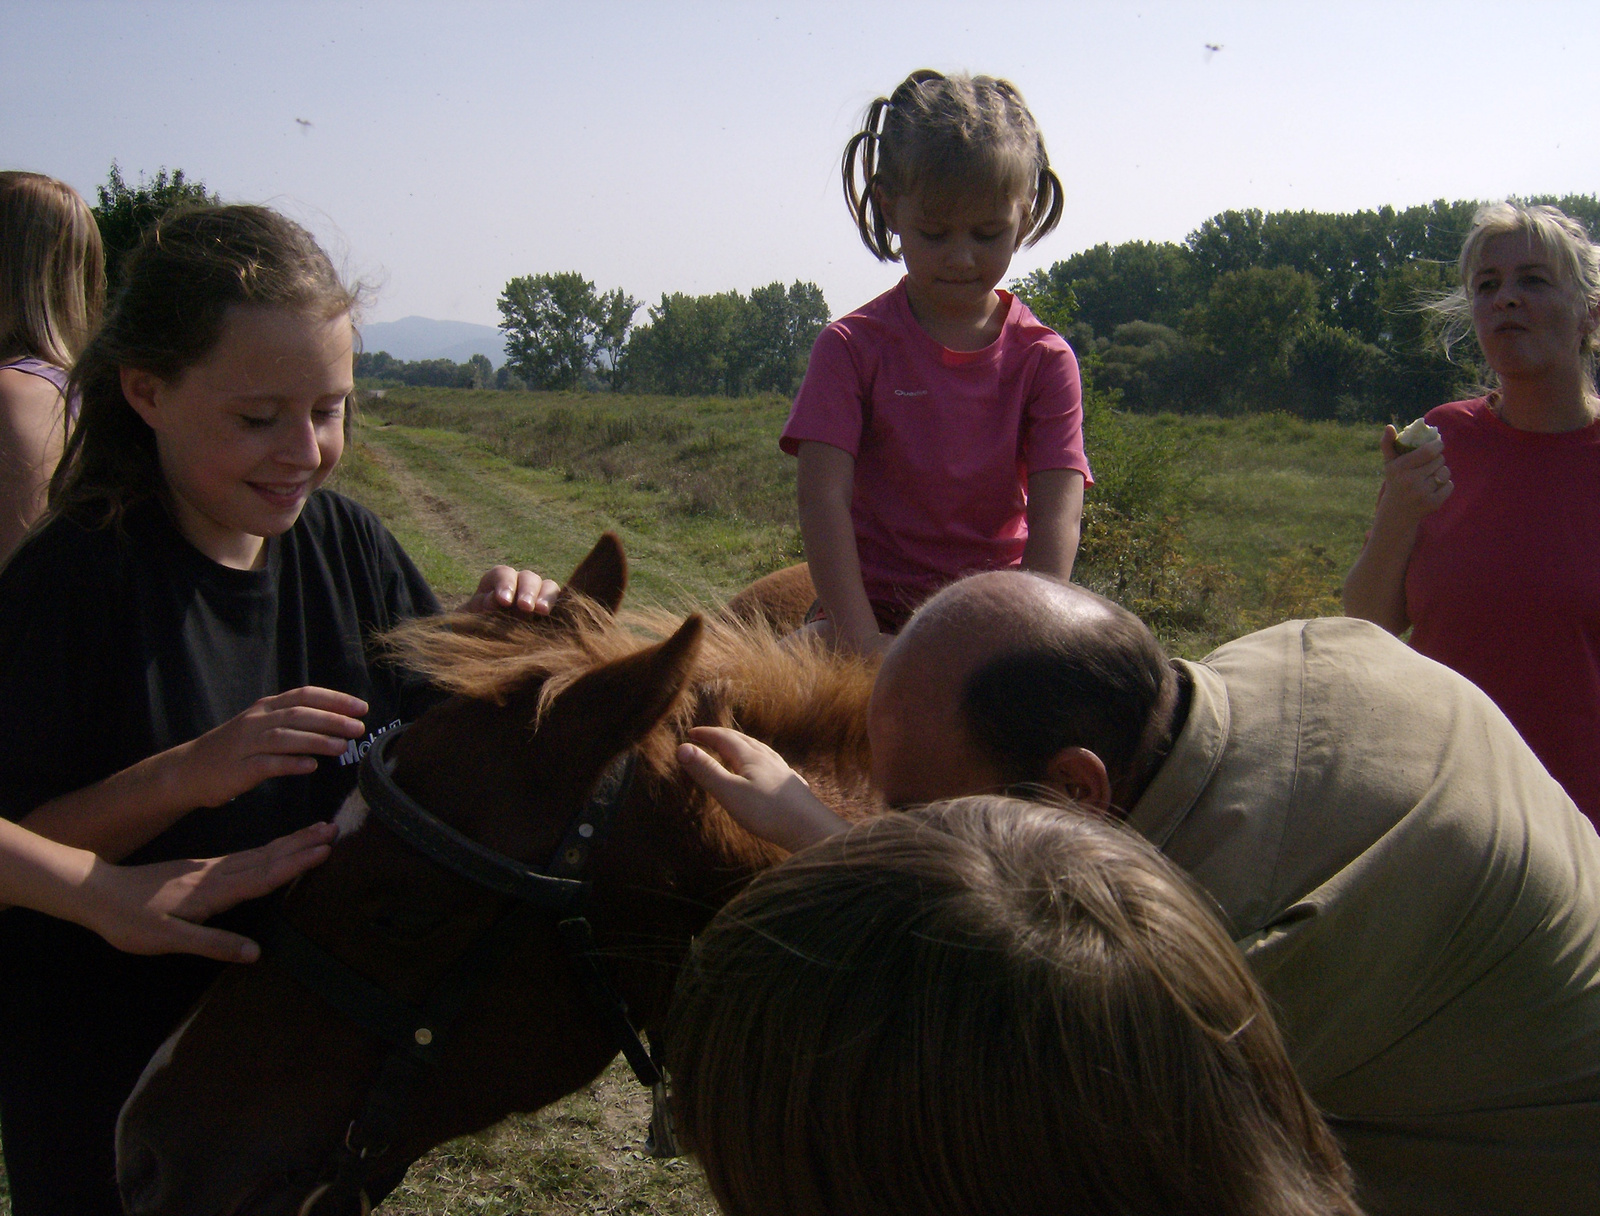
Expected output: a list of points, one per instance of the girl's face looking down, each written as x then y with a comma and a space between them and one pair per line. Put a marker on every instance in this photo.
1530, 322
955, 252
245, 435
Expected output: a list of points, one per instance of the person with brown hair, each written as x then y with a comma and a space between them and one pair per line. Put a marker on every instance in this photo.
939, 428
186, 670
1414, 892
988, 1006
52, 284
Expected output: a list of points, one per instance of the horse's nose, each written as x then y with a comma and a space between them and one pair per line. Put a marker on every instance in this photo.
139, 1179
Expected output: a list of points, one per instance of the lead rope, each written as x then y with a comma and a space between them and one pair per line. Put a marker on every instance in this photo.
663, 1138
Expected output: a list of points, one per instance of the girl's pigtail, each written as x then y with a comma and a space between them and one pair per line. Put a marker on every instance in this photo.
1049, 198
866, 144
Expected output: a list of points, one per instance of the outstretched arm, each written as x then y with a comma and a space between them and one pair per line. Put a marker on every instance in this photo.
1055, 516
276, 737
148, 909
1415, 485
764, 795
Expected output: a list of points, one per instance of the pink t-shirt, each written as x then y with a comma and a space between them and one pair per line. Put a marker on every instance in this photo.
1504, 583
943, 440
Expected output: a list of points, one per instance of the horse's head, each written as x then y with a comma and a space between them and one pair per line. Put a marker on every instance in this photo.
244, 1109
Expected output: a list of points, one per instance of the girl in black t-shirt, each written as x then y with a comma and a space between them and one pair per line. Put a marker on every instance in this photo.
183, 647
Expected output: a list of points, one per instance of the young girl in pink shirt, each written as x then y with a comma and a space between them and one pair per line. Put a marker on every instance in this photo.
939, 427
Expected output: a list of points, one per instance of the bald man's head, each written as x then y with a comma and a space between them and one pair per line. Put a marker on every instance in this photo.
999, 673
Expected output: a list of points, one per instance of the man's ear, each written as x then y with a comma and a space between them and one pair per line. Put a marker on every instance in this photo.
1081, 775
142, 389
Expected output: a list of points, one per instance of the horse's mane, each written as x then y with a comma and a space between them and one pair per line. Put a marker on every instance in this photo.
801, 697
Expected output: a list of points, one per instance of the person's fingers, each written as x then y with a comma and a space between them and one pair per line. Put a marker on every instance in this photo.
330, 700
282, 724
289, 845
535, 593
704, 768
1386, 443
498, 586
734, 748
180, 937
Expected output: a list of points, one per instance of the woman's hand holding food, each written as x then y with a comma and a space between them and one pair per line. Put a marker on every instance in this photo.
1416, 480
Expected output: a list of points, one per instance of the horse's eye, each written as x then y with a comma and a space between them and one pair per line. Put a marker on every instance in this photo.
406, 924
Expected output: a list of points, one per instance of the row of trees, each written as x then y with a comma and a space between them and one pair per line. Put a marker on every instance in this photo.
476, 372
562, 333
1319, 314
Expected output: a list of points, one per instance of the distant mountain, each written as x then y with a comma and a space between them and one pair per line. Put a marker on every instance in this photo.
424, 338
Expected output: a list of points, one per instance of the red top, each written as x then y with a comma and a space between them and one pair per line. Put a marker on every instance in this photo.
1504, 585
943, 440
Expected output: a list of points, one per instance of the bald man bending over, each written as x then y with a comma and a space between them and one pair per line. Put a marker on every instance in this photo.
1418, 897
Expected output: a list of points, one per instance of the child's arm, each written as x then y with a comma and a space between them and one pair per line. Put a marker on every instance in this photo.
763, 794
276, 737
826, 479
1055, 513
147, 909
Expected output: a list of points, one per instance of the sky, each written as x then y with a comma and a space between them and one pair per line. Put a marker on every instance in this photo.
439, 149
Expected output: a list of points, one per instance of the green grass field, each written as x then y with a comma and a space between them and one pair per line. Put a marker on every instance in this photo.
1270, 513
1273, 511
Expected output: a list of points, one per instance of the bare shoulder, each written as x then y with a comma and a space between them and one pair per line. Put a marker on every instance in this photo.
26, 398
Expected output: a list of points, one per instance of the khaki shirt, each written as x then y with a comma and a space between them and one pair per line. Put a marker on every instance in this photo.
1420, 900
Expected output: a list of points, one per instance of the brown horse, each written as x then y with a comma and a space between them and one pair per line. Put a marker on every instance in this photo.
244, 1107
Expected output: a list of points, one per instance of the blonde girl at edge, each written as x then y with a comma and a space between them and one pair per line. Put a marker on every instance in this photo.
939, 427
52, 284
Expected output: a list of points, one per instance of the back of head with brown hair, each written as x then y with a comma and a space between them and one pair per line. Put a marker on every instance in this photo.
52, 269
178, 286
988, 1006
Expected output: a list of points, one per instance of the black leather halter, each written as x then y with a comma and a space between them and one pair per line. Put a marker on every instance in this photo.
414, 1033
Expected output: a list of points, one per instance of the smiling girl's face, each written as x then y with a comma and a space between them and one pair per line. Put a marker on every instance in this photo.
245, 435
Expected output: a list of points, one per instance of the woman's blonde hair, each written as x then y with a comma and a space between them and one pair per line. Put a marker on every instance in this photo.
52, 269
1558, 236
948, 136
178, 285
988, 1006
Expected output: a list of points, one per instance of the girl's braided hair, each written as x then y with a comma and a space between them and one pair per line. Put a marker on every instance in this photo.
948, 135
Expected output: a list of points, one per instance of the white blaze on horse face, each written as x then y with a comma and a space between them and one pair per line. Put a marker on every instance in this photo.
160, 1060
352, 815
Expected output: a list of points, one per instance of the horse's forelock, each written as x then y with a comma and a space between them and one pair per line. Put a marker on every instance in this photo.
789, 690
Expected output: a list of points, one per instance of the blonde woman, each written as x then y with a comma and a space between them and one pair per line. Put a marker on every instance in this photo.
1484, 541
52, 284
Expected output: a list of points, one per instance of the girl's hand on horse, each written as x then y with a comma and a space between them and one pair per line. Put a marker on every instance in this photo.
763, 794
147, 909
506, 590
278, 736
1415, 483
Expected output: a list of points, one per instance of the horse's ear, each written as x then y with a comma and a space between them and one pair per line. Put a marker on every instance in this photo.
617, 704
602, 576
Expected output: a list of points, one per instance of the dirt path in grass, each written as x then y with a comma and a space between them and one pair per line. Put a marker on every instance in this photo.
443, 522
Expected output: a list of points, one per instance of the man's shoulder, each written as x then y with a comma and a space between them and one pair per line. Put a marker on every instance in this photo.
1285, 641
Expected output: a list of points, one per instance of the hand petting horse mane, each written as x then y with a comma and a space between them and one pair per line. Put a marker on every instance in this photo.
242, 1110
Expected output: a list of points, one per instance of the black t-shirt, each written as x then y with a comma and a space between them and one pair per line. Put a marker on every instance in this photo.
118, 644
